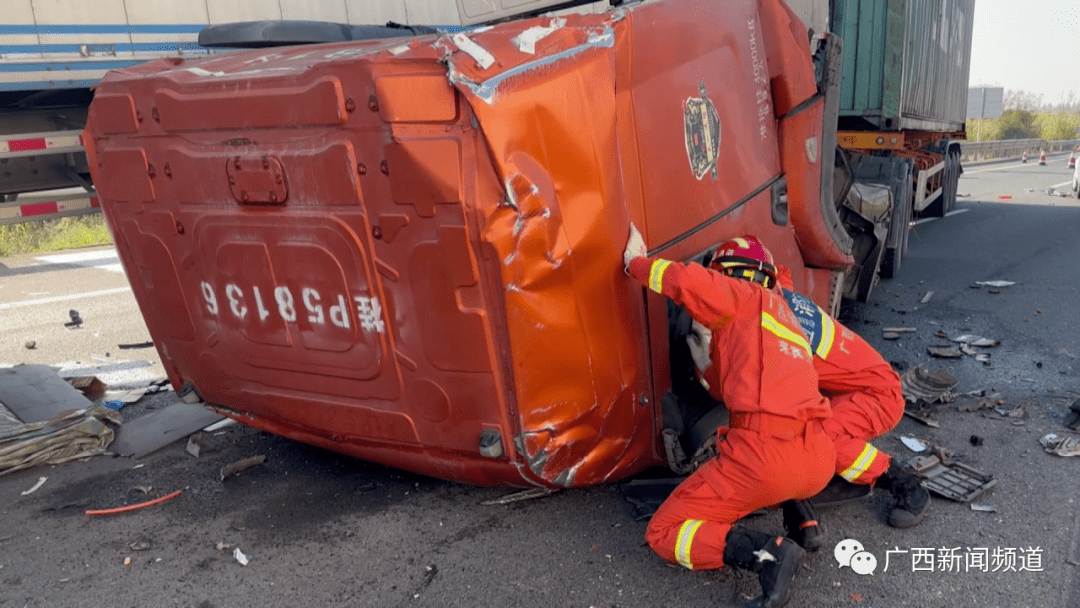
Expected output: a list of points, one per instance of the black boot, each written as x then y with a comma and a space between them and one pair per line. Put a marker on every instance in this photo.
801, 521
839, 491
775, 559
910, 498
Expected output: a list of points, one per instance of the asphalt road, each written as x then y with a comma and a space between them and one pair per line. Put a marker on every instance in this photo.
328, 530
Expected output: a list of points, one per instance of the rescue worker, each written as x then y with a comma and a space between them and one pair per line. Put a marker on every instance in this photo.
776, 449
867, 402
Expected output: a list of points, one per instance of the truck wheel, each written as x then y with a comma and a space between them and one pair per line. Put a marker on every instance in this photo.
954, 181
890, 262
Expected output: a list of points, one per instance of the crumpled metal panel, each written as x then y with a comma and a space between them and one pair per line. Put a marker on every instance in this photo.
558, 229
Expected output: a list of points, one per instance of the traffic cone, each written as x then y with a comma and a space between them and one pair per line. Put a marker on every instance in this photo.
1042, 158
1023, 158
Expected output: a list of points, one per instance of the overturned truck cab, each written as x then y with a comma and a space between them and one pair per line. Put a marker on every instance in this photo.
409, 250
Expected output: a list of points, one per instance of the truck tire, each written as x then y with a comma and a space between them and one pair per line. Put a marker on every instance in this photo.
890, 262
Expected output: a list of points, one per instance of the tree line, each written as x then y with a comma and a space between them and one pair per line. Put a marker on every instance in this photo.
1026, 116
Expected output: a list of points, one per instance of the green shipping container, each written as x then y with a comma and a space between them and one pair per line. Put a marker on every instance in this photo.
906, 63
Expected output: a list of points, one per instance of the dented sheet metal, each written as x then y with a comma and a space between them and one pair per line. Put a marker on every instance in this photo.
411, 253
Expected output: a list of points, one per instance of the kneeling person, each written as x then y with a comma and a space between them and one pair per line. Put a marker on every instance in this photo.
760, 366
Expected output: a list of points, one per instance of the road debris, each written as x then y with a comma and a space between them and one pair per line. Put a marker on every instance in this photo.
76, 320
983, 508
40, 482
196, 443
70, 436
973, 340
35, 393
90, 386
1015, 412
953, 480
135, 345
913, 444
30, 345
140, 545
922, 411
927, 297
157, 386
892, 333
944, 352
240, 557
1060, 446
930, 386
519, 496
156, 430
975, 440
997, 284
974, 404
141, 505
240, 465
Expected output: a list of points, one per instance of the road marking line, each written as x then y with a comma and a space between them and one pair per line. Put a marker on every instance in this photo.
930, 219
73, 296
81, 256
86, 259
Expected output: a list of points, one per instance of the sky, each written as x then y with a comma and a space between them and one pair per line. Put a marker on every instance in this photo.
1031, 45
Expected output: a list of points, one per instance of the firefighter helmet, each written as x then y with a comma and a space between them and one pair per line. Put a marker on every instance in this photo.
744, 258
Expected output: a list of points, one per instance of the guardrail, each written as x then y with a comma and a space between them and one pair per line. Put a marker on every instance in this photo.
1012, 148
48, 206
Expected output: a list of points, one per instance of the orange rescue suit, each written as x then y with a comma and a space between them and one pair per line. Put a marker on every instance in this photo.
865, 392
776, 448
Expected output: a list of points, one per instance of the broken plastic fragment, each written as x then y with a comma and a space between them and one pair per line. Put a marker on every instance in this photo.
945, 352
40, 482
953, 480
1061, 446
995, 283
240, 557
913, 444
983, 508
483, 58
526, 41
973, 340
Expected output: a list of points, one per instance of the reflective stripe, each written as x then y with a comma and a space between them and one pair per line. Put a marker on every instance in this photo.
686, 538
828, 333
861, 464
774, 326
656, 275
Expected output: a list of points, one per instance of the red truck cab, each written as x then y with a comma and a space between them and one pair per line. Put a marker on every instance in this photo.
409, 250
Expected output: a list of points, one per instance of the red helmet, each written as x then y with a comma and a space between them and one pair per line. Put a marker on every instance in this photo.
744, 258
